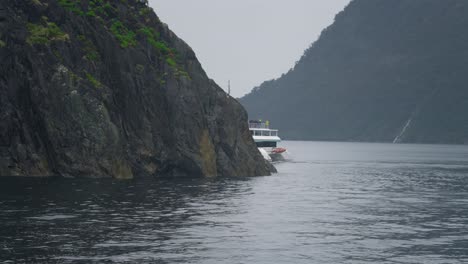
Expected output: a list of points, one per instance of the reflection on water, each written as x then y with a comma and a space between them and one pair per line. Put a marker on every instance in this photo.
334, 203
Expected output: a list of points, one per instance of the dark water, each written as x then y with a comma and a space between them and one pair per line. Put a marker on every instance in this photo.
335, 203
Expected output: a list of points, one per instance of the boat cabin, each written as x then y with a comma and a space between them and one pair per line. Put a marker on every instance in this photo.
263, 136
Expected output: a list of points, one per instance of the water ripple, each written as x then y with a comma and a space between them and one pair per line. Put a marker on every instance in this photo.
340, 203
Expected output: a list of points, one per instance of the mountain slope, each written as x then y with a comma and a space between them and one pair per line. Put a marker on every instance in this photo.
388, 71
104, 89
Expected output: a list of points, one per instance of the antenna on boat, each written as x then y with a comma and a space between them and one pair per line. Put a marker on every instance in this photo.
229, 87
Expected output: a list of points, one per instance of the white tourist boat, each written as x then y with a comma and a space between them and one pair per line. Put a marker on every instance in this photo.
267, 140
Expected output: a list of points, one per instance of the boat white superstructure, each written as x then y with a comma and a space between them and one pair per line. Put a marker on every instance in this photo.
266, 139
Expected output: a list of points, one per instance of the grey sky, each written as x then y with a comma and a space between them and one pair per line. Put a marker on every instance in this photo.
247, 41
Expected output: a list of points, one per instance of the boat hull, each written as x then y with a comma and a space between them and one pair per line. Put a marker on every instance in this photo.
272, 155
276, 157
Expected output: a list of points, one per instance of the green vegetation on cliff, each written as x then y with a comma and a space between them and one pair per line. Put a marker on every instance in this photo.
90, 8
123, 34
94, 81
152, 38
72, 6
89, 48
39, 34
98, 89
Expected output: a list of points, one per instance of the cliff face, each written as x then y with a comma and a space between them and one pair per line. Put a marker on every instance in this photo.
104, 89
388, 71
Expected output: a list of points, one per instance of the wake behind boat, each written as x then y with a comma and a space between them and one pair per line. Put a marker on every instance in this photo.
267, 140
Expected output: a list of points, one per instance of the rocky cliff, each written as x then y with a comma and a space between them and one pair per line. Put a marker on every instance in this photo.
387, 71
102, 88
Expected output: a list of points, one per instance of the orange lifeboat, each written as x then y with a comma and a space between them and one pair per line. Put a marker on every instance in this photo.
278, 150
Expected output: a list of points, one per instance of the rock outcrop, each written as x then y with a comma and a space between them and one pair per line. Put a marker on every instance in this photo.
385, 71
104, 89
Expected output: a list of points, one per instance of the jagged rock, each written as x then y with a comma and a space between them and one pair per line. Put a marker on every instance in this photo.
104, 89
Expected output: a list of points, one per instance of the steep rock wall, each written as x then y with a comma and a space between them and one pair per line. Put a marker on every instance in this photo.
104, 89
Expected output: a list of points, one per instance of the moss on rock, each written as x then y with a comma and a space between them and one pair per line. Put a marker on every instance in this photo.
39, 34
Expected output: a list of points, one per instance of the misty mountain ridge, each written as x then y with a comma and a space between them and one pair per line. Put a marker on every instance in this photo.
384, 71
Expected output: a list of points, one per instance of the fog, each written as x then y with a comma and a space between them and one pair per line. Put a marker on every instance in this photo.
247, 41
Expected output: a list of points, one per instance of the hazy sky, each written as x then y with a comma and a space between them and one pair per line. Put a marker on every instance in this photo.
247, 41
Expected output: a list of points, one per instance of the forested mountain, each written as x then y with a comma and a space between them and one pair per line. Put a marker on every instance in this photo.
386, 71
103, 88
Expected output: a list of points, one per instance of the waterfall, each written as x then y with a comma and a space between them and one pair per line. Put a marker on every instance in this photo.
402, 132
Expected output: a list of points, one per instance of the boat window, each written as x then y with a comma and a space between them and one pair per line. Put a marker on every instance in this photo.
258, 133
274, 133
266, 133
266, 144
